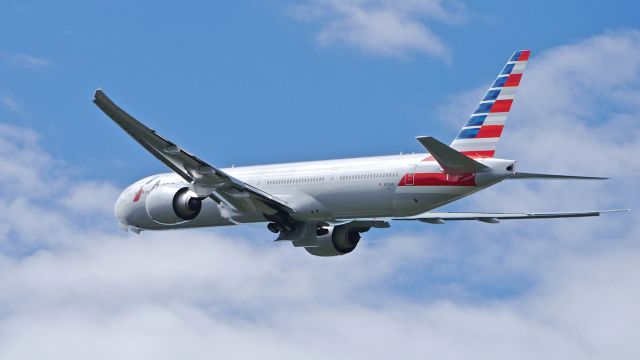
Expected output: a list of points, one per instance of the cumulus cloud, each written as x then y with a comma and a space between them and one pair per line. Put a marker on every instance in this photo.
573, 116
567, 119
23, 161
91, 196
73, 286
31, 187
382, 27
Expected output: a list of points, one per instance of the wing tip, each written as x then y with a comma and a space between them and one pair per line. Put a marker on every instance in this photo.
615, 210
101, 99
97, 94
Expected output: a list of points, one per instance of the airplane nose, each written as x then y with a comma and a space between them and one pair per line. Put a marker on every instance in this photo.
119, 208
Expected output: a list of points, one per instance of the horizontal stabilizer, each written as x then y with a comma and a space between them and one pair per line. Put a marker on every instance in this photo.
452, 161
522, 175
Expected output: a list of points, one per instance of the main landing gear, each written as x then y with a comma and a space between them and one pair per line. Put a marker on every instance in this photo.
278, 228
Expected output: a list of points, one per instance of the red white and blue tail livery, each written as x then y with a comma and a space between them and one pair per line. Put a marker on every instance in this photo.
480, 134
324, 206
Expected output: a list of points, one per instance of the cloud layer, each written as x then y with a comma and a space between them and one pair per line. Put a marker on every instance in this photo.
74, 287
382, 27
26, 61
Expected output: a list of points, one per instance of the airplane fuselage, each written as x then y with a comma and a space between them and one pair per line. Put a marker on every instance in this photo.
369, 187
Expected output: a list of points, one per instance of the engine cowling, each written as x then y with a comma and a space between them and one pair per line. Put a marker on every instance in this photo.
169, 205
340, 240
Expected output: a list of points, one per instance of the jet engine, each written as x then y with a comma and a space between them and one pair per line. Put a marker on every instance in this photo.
338, 240
169, 205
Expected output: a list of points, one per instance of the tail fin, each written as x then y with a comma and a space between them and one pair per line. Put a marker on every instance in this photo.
480, 135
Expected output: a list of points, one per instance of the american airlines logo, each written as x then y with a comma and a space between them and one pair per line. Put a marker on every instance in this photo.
137, 196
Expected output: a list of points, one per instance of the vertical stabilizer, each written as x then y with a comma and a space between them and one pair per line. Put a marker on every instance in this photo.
481, 133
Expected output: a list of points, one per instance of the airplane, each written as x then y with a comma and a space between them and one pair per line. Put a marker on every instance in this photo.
325, 206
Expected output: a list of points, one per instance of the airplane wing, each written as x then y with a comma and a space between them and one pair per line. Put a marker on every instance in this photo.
441, 217
206, 179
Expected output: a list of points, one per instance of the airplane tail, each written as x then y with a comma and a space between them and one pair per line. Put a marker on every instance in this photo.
479, 136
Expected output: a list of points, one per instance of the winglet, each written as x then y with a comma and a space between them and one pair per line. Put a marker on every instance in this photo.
452, 161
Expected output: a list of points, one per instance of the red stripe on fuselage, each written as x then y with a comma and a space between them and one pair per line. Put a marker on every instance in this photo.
439, 179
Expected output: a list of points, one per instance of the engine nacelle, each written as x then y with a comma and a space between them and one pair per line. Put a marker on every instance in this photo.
340, 240
170, 205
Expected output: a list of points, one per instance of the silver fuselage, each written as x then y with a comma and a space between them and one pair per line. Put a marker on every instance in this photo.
369, 187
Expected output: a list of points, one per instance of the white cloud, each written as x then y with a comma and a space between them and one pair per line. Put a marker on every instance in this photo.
91, 196
205, 296
32, 185
72, 286
27, 61
12, 104
382, 27
567, 119
22, 161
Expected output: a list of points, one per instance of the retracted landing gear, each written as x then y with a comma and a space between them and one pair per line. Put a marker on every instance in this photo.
274, 228
281, 222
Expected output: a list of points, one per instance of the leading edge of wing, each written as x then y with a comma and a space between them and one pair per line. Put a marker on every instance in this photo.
140, 133
440, 217
188, 166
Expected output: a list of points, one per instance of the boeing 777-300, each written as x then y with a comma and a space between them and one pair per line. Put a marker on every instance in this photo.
324, 206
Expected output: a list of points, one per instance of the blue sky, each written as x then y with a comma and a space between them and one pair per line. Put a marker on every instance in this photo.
225, 79
251, 82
